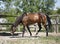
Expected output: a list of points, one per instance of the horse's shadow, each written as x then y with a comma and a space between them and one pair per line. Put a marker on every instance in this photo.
24, 37
7, 34
16, 35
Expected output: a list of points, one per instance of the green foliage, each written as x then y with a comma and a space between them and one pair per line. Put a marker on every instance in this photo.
54, 12
58, 11
21, 6
6, 1
47, 6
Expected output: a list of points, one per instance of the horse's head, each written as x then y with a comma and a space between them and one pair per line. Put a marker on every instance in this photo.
13, 29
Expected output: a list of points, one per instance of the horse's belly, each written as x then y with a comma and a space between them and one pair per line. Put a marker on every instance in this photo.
32, 21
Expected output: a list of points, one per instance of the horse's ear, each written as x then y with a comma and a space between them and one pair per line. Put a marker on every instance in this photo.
24, 14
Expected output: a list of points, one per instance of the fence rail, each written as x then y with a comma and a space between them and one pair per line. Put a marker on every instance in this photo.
6, 23
3, 16
57, 15
56, 24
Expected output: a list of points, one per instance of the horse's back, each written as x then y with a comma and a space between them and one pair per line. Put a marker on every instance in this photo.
32, 18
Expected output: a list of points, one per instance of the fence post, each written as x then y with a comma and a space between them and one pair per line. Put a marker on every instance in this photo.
56, 24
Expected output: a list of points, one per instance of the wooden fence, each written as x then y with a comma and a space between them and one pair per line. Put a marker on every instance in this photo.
9, 23
55, 21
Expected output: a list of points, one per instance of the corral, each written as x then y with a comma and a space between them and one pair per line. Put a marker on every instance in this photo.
53, 38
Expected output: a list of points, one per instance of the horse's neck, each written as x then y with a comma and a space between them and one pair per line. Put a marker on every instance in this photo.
18, 21
15, 24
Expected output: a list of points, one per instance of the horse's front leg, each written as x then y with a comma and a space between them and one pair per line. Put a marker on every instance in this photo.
23, 31
29, 30
39, 25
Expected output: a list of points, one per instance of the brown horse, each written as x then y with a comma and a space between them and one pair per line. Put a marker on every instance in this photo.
30, 18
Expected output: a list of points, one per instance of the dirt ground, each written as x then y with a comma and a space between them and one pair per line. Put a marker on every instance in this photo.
6, 38
40, 34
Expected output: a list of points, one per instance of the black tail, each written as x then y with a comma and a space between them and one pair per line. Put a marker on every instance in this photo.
49, 21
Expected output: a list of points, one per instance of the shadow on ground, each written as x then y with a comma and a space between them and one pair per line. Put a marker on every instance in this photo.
7, 34
16, 35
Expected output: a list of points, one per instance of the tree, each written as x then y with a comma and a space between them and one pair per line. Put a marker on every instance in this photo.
58, 11
21, 6
47, 6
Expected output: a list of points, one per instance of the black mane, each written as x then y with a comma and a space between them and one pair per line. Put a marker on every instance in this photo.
19, 19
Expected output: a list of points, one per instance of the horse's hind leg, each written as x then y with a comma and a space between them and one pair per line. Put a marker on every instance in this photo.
46, 30
29, 30
39, 25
